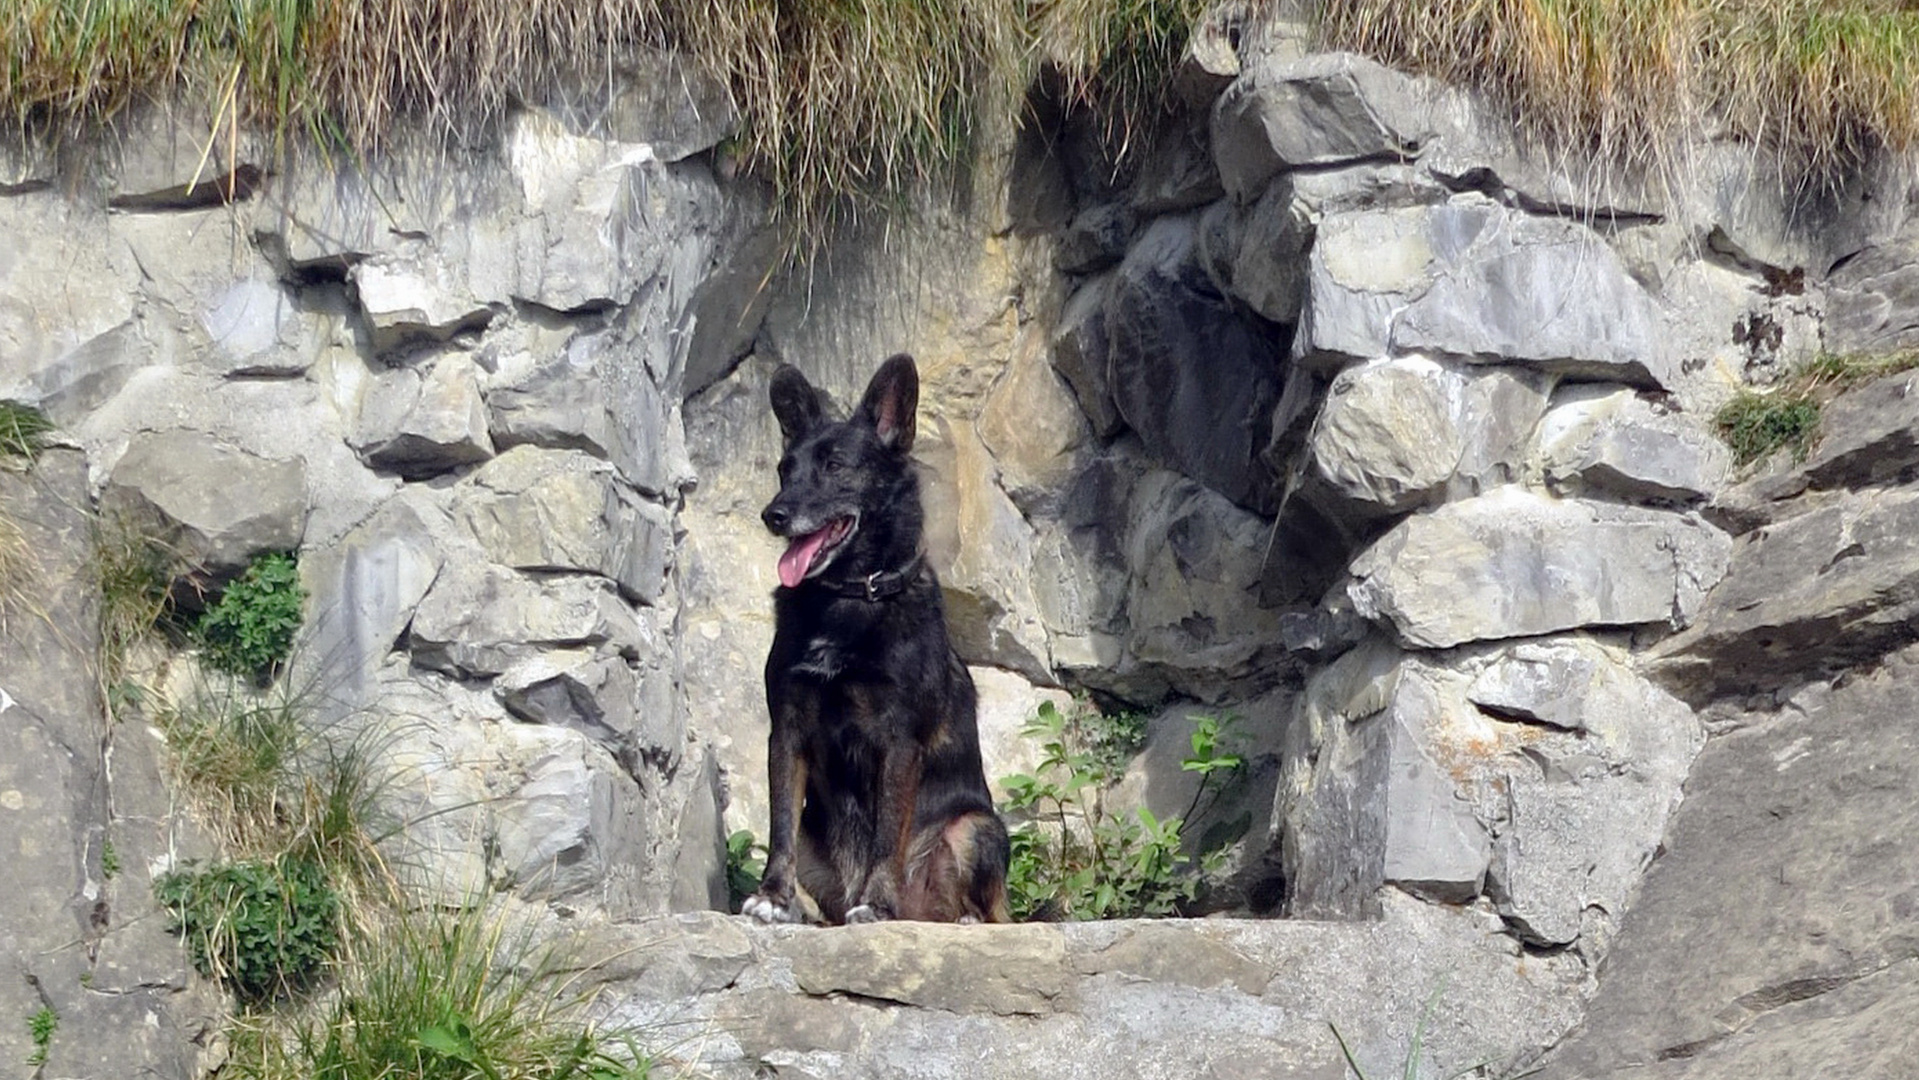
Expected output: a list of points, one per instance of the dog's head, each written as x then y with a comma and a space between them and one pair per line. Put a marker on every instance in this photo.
848, 495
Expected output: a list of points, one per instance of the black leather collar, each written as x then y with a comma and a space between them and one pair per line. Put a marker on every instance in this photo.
880, 584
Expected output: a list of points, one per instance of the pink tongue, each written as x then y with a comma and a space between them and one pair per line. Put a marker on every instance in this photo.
799, 557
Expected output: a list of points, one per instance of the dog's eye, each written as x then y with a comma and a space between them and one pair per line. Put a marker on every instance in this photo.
830, 466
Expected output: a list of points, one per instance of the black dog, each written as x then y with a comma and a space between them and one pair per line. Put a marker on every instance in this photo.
879, 803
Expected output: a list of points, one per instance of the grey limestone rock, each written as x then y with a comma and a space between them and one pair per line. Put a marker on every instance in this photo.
1786, 890
480, 619
218, 504
1514, 564
1193, 377
83, 938
422, 423
1472, 280
1323, 109
1831, 587
563, 510
1613, 441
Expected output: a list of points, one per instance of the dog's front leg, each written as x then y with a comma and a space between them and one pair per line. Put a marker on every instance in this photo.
899, 794
786, 792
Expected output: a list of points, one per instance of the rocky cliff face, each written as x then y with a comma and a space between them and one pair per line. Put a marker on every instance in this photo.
1338, 408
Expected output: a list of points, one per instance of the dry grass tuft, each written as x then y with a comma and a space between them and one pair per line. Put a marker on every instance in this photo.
1826, 83
839, 97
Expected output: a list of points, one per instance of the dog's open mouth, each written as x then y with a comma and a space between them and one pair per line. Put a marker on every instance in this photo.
808, 555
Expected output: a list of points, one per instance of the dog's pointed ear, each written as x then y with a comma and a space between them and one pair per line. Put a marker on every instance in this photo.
796, 403
892, 401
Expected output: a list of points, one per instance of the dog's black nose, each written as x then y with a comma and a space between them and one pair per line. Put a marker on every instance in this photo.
776, 519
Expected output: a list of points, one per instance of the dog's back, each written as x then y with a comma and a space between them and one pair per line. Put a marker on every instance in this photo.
879, 803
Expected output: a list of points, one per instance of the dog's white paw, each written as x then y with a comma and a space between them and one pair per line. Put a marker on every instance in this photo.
766, 911
969, 920
864, 913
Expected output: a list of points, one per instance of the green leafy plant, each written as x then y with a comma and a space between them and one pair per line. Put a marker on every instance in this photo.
745, 862
23, 430
442, 996
40, 1028
263, 928
109, 860
250, 629
1071, 857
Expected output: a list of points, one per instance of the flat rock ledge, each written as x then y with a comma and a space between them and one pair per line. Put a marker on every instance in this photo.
721, 996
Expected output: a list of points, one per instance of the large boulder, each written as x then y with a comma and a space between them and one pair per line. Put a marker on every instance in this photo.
216, 504
1400, 433
1832, 587
1786, 886
1539, 774
1612, 441
1317, 110
84, 935
1515, 564
1472, 280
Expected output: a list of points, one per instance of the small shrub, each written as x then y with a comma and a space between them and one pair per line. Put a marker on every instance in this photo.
40, 1027
23, 430
109, 860
1073, 859
263, 928
250, 629
745, 862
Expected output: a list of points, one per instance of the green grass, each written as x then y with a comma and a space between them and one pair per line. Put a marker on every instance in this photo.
1758, 423
1826, 82
134, 571
23, 430
440, 996
838, 97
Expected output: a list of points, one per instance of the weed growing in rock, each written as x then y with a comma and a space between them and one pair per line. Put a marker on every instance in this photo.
1410, 1070
250, 629
1074, 859
109, 860
437, 995
23, 430
264, 928
745, 862
1755, 423
40, 1028
272, 785
134, 570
